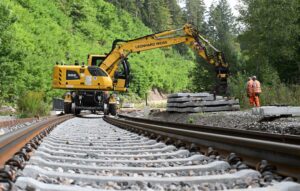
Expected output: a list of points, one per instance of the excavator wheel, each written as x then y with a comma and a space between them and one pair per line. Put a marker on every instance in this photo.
112, 109
77, 111
67, 107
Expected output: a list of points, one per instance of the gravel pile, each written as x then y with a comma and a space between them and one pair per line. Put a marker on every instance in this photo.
233, 119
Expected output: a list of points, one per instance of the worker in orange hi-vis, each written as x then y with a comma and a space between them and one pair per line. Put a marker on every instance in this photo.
250, 94
256, 91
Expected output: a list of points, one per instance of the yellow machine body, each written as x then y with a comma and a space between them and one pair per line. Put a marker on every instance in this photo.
67, 98
81, 77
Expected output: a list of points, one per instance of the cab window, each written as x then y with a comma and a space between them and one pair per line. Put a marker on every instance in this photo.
96, 61
96, 71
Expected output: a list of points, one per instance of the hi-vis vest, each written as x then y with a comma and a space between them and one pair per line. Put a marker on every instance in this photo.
256, 86
249, 87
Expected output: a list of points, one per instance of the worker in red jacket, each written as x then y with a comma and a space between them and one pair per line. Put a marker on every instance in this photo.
256, 91
250, 94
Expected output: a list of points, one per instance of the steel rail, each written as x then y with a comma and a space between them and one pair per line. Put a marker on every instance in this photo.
13, 122
285, 156
292, 139
11, 143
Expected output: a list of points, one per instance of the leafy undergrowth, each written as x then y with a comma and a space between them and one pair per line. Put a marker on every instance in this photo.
32, 104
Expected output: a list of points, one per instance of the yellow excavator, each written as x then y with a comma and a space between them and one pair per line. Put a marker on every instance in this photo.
111, 72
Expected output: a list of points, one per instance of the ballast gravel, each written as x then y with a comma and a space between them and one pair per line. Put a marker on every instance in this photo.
144, 185
230, 119
49, 167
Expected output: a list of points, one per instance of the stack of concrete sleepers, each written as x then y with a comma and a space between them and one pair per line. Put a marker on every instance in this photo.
200, 102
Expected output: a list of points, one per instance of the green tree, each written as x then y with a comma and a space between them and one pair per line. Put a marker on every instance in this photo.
195, 10
220, 31
133, 7
158, 12
10, 61
176, 13
154, 14
271, 37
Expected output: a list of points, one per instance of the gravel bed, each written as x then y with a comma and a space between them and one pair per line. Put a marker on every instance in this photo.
144, 185
113, 174
139, 174
232, 119
96, 156
141, 164
119, 153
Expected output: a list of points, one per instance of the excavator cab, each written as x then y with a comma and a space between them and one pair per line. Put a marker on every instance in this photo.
95, 60
122, 76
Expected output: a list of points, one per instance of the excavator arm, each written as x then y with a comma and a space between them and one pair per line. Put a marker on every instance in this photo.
187, 35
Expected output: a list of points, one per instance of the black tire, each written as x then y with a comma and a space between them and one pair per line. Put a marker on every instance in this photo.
77, 111
67, 107
112, 109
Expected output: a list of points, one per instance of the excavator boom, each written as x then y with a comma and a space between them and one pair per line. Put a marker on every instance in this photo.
187, 35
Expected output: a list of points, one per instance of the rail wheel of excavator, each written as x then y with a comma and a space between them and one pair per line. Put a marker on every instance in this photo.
77, 111
112, 109
67, 107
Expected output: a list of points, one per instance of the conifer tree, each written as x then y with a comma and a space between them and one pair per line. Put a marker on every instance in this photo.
271, 36
195, 10
219, 31
175, 13
156, 15
221, 27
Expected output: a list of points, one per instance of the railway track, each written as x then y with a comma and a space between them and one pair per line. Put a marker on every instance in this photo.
283, 151
12, 122
86, 153
7, 126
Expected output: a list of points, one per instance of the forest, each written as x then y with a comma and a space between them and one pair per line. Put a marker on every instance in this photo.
264, 40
